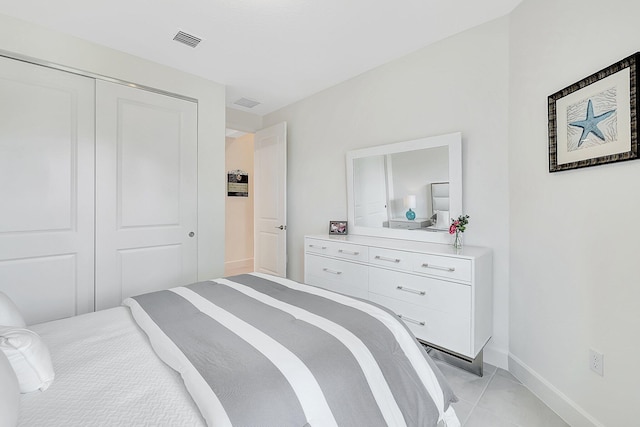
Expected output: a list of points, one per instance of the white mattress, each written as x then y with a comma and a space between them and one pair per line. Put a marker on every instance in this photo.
106, 375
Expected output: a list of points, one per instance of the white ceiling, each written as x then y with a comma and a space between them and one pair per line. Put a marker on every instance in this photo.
272, 51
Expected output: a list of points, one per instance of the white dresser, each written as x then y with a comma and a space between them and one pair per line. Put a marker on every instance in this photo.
444, 297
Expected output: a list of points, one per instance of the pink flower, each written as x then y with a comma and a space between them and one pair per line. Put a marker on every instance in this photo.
453, 227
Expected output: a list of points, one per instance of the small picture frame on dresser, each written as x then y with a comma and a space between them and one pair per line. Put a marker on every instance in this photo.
338, 227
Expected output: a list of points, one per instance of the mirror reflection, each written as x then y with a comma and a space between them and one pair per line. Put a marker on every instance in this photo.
406, 190
403, 190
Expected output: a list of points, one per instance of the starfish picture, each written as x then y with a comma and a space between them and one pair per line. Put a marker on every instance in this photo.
590, 124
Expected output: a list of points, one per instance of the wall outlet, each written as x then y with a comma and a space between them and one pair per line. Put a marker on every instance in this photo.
596, 362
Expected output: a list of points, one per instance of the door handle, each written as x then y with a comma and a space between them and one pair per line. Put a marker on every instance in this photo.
282, 227
191, 234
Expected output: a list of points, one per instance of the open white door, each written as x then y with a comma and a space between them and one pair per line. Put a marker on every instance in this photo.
270, 200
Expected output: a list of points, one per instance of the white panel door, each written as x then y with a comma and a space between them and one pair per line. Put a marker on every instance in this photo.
146, 192
370, 183
47, 190
270, 201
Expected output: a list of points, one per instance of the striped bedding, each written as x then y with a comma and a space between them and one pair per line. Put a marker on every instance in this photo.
259, 350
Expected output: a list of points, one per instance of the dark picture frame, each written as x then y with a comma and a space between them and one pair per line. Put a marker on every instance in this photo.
594, 121
338, 227
237, 183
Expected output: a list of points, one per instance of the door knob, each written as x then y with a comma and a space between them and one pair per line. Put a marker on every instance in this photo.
191, 234
282, 227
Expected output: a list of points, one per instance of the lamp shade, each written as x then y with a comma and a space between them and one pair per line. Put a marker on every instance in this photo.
410, 201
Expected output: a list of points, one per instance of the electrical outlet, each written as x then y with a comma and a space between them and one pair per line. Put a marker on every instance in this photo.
596, 362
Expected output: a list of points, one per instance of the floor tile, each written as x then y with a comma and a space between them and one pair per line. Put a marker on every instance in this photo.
488, 370
465, 385
506, 374
516, 404
463, 409
483, 418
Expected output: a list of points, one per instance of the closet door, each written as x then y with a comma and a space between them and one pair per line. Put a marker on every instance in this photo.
146, 192
46, 190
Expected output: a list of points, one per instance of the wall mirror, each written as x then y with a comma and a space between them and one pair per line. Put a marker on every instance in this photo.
407, 190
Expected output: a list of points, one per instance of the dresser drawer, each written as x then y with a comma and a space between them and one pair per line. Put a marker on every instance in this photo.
336, 275
349, 251
336, 249
449, 297
316, 246
447, 330
443, 266
390, 258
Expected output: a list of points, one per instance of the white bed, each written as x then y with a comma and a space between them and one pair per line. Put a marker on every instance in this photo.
122, 381
107, 372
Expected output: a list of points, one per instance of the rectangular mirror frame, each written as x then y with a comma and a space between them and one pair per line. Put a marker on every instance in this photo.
454, 143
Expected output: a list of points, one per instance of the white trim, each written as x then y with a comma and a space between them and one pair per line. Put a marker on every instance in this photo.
496, 356
231, 268
567, 409
60, 67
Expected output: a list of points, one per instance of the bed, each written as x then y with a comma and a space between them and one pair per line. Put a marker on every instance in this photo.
248, 350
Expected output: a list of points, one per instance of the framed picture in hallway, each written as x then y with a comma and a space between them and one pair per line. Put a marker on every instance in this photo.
237, 183
593, 121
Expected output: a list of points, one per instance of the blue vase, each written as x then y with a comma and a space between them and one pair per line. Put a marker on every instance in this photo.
411, 215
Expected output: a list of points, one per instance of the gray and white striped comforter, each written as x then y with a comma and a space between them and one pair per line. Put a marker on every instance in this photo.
256, 350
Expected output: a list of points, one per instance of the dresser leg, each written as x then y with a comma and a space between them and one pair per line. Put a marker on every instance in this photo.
471, 365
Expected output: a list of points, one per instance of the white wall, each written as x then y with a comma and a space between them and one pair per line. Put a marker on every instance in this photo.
459, 84
243, 120
574, 254
20, 37
239, 210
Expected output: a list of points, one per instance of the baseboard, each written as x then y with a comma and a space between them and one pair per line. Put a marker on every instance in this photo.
241, 266
496, 357
567, 409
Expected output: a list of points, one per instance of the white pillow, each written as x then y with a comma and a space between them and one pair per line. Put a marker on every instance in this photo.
9, 313
9, 394
29, 357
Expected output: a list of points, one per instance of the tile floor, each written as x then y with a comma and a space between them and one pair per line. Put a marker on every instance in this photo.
497, 399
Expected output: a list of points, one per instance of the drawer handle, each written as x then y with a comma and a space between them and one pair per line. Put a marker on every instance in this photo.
410, 320
437, 267
342, 251
331, 271
413, 291
383, 258
318, 247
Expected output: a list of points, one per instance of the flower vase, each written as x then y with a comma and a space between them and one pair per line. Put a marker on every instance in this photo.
457, 242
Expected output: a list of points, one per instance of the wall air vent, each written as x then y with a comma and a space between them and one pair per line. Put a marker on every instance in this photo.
187, 39
248, 103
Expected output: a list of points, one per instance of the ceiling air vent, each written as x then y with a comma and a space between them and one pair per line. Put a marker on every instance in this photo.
187, 39
248, 103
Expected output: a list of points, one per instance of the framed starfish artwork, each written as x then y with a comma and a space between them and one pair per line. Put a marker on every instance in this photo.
594, 121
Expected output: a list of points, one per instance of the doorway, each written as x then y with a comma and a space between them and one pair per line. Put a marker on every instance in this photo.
256, 208
239, 218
